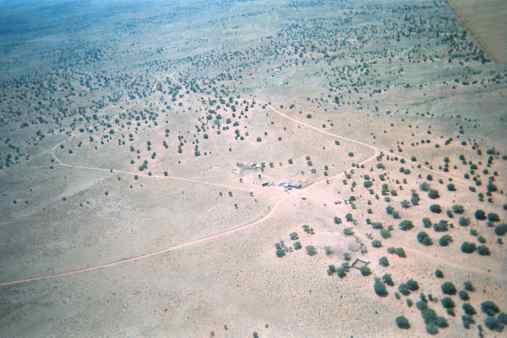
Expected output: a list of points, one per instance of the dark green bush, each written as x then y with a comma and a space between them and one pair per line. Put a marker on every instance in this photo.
406, 225
467, 321
311, 250
480, 215
439, 273
383, 261
447, 302
380, 288
448, 288
388, 279
489, 308
402, 322
469, 286
441, 226
468, 247
403, 289
412, 284
365, 270
433, 194
464, 221
445, 240
424, 238
458, 209
463, 295
493, 217
483, 250
469, 309
493, 324
501, 229
432, 329
435, 208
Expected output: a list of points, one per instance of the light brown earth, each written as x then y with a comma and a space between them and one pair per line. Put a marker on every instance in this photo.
486, 20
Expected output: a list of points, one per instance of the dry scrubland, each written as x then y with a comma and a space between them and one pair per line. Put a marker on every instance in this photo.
143, 145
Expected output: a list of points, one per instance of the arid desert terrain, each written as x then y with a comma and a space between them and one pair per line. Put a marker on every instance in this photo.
253, 168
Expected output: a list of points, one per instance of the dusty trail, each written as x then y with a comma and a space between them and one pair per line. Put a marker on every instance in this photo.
130, 173
233, 229
370, 146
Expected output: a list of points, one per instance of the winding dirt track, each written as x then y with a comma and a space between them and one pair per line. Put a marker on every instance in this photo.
376, 152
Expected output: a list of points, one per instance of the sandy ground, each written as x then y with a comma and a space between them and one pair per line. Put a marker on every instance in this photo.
356, 105
486, 21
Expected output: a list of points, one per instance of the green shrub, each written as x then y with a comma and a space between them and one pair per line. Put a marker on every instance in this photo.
412, 285
388, 279
447, 302
433, 194
458, 209
294, 236
424, 186
424, 238
502, 317
402, 322
427, 222
463, 295
493, 217
406, 225
385, 233
404, 289
435, 208
468, 247
341, 272
464, 221
380, 288
280, 252
501, 229
439, 273
469, 286
489, 308
311, 250
383, 261
493, 324
480, 215
469, 309
445, 240
441, 226
441, 322
348, 231
365, 270
376, 243
297, 245
467, 321
483, 250
432, 329
448, 288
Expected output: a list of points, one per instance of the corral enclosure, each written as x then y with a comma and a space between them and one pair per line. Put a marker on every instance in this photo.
252, 168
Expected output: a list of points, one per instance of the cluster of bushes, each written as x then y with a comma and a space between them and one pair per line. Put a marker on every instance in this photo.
410, 286
433, 321
397, 251
495, 320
